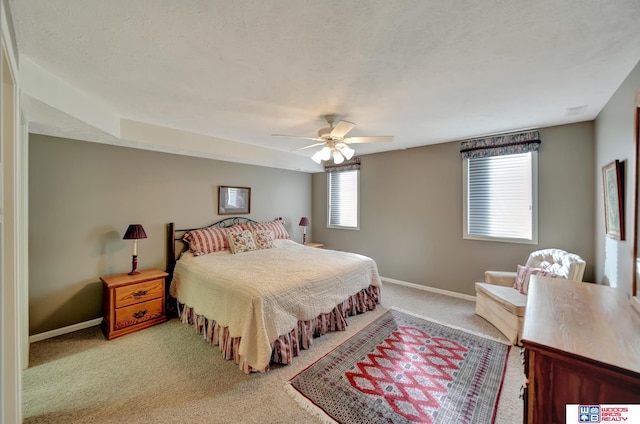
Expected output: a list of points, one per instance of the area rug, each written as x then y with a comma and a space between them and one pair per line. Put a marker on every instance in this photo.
406, 369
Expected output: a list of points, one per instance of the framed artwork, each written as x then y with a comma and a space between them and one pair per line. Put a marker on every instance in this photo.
234, 200
613, 200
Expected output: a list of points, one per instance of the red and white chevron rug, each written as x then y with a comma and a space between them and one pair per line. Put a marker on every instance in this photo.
405, 369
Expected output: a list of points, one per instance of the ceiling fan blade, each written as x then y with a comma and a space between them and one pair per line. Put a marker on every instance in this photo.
296, 136
374, 139
342, 128
309, 146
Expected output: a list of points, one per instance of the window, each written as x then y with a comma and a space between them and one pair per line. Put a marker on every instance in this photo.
343, 194
500, 198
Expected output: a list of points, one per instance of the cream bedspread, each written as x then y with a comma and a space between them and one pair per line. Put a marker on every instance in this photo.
262, 294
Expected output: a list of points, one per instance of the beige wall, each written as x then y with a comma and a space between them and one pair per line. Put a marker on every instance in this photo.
411, 212
615, 139
83, 195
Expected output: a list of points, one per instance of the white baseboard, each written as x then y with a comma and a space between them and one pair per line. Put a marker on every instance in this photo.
64, 330
429, 289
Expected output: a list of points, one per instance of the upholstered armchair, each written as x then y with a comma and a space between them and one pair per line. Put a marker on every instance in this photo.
502, 298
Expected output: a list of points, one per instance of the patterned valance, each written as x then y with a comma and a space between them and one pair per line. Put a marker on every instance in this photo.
352, 164
506, 144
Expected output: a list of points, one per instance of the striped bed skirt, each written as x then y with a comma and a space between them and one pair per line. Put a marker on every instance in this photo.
286, 346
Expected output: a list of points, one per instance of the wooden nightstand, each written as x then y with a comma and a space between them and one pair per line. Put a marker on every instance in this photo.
132, 302
311, 244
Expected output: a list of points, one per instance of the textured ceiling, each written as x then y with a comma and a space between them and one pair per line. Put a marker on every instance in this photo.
423, 71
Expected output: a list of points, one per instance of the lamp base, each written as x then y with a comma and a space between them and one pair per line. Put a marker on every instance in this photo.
304, 238
134, 265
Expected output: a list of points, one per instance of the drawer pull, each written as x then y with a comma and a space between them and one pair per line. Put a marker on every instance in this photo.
140, 293
139, 314
523, 392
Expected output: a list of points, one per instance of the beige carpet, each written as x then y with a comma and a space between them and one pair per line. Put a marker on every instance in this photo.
169, 374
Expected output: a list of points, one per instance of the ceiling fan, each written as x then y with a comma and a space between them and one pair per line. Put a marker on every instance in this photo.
335, 142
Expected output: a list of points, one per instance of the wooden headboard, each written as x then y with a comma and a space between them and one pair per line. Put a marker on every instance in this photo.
174, 237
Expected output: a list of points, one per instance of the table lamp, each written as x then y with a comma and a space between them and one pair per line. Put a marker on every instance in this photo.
304, 223
135, 232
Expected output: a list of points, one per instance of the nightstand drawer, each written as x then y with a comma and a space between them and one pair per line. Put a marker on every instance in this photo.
138, 313
136, 293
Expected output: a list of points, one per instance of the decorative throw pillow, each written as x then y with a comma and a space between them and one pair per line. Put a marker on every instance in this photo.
206, 240
279, 232
524, 273
241, 242
263, 238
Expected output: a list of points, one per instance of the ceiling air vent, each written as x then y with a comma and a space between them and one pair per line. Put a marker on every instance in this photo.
576, 110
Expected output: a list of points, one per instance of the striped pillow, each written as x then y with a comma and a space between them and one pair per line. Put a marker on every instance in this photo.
279, 232
209, 240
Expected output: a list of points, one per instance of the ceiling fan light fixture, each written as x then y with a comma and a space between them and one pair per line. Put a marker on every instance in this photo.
337, 157
325, 153
316, 157
347, 152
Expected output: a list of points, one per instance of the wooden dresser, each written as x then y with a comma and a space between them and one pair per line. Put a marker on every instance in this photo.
132, 302
582, 346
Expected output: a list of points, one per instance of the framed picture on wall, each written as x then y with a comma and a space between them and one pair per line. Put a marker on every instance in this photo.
613, 200
234, 200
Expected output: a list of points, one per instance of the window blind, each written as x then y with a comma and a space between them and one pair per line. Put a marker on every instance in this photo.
343, 199
500, 196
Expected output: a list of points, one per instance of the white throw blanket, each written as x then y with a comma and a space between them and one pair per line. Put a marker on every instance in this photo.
262, 294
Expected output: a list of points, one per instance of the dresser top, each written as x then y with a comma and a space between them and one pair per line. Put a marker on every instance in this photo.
584, 320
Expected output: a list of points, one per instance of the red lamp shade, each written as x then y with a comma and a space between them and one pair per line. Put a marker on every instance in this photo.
135, 232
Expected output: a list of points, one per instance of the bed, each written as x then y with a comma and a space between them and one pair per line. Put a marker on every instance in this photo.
260, 296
